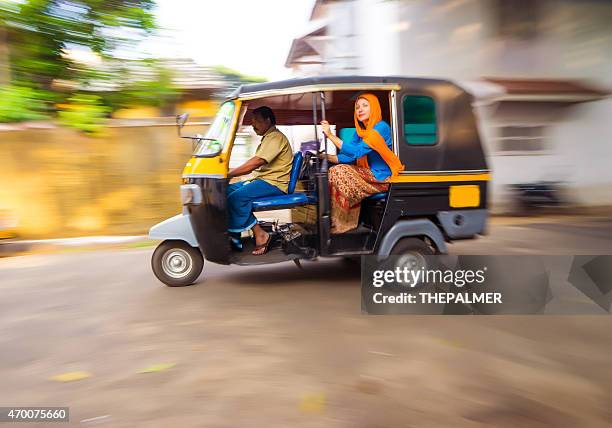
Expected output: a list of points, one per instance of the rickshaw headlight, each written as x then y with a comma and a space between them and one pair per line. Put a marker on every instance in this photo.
191, 194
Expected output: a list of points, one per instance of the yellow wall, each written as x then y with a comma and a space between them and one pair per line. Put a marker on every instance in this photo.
60, 183
137, 113
202, 108
198, 108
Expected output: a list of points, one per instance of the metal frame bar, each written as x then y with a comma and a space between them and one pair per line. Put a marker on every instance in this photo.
449, 172
325, 163
394, 121
318, 88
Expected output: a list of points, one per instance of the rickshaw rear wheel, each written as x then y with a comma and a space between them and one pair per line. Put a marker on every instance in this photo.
412, 253
176, 263
412, 245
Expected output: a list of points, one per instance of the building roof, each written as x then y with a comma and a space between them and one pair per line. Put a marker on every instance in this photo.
548, 90
508, 89
316, 8
186, 75
332, 80
302, 47
189, 75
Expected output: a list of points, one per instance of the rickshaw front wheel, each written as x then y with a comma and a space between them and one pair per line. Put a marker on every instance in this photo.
176, 263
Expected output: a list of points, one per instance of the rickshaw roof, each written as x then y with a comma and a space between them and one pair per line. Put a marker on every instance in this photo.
308, 84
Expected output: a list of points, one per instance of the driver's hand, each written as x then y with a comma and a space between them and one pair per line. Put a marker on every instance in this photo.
326, 129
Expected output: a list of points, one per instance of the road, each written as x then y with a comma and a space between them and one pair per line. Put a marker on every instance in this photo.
276, 346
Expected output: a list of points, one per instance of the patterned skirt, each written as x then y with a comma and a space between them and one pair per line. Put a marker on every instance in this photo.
348, 186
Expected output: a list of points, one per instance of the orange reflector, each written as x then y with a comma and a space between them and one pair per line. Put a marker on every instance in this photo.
464, 196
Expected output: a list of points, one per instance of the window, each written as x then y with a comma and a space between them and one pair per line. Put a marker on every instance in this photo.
217, 134
420, 127
520, 139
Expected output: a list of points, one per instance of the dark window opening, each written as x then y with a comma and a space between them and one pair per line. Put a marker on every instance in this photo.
420, 127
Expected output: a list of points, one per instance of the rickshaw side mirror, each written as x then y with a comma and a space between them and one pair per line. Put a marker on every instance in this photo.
181, 119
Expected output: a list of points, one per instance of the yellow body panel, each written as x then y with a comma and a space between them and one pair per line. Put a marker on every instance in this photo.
432, 178
464, 196
209, 166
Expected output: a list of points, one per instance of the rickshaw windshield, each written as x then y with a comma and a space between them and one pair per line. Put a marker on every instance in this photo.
214, 140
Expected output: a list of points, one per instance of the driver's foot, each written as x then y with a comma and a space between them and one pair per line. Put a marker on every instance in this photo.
262, 240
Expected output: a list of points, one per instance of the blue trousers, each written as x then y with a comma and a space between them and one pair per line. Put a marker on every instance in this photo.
239, 202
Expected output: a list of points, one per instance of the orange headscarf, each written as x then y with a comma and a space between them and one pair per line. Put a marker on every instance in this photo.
373, 139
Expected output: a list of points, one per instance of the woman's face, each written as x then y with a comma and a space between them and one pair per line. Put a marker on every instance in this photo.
362, 109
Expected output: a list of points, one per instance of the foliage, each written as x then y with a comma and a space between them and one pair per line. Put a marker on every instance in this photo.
18, 103
38, 39
40, 31
156, 92
234, 79
155, 89
84, 112
237, 76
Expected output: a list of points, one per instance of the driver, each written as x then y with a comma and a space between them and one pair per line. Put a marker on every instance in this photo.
271, 168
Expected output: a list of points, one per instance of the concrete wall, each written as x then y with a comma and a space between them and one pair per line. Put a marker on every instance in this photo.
460, 39
60, 183
551, 164
585, 139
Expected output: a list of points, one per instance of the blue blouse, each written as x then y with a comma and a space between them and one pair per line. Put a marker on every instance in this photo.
356, 148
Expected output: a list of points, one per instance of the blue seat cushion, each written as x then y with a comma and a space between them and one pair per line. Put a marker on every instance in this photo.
377, 196
346, 134
296, 166
282, 201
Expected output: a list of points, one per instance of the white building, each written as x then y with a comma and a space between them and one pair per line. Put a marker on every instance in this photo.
539, 69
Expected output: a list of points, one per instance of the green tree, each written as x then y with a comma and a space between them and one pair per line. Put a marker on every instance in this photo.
235, 78
84, 112
35, 36
21, 103
38, 33
155, 88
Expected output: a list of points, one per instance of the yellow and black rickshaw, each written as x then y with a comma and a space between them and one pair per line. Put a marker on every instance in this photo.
440, 196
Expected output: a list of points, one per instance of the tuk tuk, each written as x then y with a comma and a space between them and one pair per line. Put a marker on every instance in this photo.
441, 195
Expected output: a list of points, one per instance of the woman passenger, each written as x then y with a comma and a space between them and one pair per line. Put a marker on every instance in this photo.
365, 163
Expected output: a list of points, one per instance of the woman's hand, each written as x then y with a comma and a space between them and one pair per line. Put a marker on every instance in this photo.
333, 138
331, 158
326, 128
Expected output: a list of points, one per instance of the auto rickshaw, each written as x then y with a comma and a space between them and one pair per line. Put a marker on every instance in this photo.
441, 195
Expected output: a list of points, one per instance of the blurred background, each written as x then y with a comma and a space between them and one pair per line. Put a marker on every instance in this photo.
88, 148
88, 96
88, 93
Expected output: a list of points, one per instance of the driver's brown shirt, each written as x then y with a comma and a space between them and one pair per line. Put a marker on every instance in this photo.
275, 149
